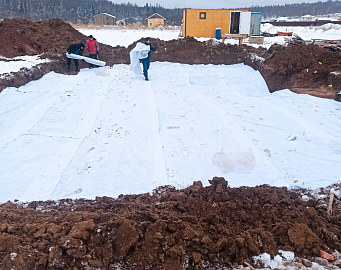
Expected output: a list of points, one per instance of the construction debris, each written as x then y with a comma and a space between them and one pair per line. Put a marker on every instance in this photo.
330, 205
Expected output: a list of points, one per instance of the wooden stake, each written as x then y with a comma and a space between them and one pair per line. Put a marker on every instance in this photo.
330, 205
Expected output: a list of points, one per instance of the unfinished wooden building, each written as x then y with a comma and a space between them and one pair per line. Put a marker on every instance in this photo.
104, 19
155, 20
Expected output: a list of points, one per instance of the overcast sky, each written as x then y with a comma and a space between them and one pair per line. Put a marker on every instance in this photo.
213, 3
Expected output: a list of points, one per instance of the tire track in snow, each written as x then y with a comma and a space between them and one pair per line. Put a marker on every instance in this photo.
118, 157
160, 174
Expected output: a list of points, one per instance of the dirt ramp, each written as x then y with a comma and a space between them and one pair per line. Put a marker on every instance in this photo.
193, 228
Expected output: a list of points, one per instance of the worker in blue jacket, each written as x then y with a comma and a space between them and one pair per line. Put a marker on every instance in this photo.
146, 61
78, 49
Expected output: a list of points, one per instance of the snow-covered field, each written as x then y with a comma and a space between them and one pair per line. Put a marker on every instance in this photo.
105, 132
125, 37
8, 65
328, 31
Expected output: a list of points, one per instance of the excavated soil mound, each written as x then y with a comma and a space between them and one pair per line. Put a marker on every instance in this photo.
22, 37
51, 39
304, 69
193, 228
191, 51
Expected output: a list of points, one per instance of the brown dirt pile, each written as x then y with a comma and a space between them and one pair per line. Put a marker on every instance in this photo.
296, 67
303, 69
193, 228
50, 38
191, 51
23, 37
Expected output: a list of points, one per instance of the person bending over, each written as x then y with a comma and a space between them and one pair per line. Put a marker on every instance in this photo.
78, 49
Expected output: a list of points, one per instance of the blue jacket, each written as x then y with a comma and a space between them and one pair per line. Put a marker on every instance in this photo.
152, 49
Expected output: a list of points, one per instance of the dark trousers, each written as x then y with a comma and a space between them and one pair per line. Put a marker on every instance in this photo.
69, 63
93, 56
145, 64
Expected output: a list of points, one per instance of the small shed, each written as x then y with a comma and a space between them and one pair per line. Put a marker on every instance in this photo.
104, 19
155, 20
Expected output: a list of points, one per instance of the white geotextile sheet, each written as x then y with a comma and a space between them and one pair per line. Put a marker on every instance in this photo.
139, 52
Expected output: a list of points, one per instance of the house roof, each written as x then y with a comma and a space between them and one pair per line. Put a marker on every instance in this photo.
156, 14
106, 15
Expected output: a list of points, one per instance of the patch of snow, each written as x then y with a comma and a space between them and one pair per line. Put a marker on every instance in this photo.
329, 26
327, 31
125, 37
17, 63
256, 57
288, 255
337, 193
316, 266
13, 256
268, 262
295, 187
285, 261
305, 198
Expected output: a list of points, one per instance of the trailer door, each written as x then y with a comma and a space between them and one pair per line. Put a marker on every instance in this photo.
234, 22
245, 20
255, 24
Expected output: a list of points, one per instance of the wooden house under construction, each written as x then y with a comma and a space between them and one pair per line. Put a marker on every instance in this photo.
104, 19
155, 20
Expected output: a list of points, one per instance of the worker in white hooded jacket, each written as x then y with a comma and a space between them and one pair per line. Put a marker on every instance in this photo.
142, 51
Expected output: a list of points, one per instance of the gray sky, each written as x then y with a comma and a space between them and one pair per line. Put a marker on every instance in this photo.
213, 3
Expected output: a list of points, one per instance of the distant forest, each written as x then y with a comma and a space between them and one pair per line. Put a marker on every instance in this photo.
295, 10
82, 11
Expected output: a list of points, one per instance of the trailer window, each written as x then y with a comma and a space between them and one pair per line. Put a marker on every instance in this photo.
202, 16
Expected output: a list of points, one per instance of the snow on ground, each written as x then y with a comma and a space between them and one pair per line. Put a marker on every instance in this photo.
16, 63
105, 132
125, 37
285, 261
328, 31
